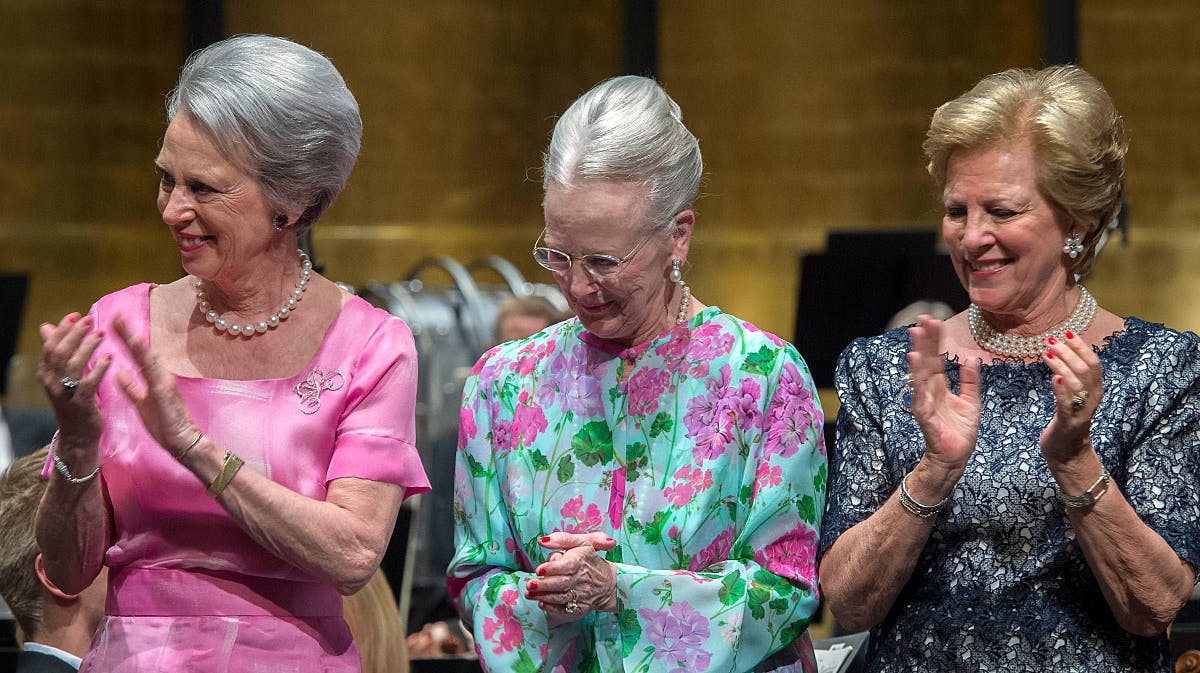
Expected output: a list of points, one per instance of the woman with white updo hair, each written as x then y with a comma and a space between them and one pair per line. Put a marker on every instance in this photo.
241, 466
640, 487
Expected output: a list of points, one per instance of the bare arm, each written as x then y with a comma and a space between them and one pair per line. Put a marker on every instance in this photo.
339, 540
864, 571
1143, 580
74, 525
868, 565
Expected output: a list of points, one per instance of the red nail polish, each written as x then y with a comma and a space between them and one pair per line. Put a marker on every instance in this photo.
610, 539
1051, 340
541, 573
532, 584
1058, 380
544, 538
541, 605
1069, 334
1049, 355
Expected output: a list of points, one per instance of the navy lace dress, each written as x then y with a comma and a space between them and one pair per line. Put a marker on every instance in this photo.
1002, 584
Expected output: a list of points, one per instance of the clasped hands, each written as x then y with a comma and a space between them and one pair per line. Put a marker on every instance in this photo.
574, 580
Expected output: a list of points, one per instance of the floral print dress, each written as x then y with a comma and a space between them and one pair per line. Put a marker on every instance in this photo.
700, 452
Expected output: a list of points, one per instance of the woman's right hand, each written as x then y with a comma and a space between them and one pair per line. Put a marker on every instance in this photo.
949, 422
66, 350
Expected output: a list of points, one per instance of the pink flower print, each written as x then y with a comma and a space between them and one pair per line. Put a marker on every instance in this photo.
616, 500
644, 389
466, 426
688, 483
751, 328
528, 423
585, 521
502, 437
715, 552
506, 625
767, 476
509, 596
793, 556
748, 415
678, 635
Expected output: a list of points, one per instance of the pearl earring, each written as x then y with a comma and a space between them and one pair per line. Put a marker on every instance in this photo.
1074, 245
676, 271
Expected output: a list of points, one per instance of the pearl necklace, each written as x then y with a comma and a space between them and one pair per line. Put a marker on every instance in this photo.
684, 303
1031, 346
253, 328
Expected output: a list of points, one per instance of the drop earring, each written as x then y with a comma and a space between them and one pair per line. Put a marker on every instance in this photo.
676, 271
280, 222
1074, 245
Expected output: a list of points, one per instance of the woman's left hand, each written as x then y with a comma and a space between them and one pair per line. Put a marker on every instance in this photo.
1078, 387
575, 580
158, 402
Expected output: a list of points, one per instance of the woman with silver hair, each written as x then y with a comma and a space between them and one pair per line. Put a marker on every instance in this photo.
1016, 488
639, 488
242, 463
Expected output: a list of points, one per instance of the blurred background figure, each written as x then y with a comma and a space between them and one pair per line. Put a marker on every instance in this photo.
519, 317
55, 627
374, 621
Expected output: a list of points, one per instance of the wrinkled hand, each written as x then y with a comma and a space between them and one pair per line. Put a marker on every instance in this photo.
949, 422
1075, 369
66, 350
156, 396
574, 574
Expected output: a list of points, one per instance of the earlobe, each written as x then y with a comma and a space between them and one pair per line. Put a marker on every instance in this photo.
50, 586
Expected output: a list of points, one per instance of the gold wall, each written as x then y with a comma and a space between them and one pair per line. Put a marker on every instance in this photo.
810, 116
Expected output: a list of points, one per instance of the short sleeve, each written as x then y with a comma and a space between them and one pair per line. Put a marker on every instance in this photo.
376, 433
1163, 468
858, 484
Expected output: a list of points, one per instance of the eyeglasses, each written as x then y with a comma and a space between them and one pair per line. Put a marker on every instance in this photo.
599, 266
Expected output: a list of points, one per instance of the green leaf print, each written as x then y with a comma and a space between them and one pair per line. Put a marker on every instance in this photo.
744, 495
819, 479
539, 460
653, 532
758, 598
615, 555
768, 579
733, 587
633, 525
566, 469
807, 508
524, 664
761, 362
636, 460
779, 605
631, 631
593, 444
478, 471
793, 631
662, 424
492, 592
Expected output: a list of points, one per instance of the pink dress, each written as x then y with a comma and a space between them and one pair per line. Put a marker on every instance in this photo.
188, 589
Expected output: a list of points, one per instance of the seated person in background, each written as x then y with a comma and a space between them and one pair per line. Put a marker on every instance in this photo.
519, 317
55, 627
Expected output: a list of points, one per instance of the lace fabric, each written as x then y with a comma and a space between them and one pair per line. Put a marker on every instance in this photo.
1002, 583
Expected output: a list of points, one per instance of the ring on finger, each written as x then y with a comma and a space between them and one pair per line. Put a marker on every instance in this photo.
69, 382
1078, 400
571, 607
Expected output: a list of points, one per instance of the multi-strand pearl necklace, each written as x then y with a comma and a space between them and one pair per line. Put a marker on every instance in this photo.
1031, 346
259, 327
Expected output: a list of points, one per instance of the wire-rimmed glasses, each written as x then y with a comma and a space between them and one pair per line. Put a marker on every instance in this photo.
599, 266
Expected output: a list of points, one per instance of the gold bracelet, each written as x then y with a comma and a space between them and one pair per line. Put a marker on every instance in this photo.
1090, 496
228, 470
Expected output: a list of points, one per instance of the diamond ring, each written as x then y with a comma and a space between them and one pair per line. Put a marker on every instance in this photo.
69, 382
1078, 400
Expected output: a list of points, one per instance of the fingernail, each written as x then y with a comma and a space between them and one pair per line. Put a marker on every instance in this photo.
532, 584
1069, 334
541, 605
1058, 380
610, 539
1051, 340
541, 573
1049, 355
544, 538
